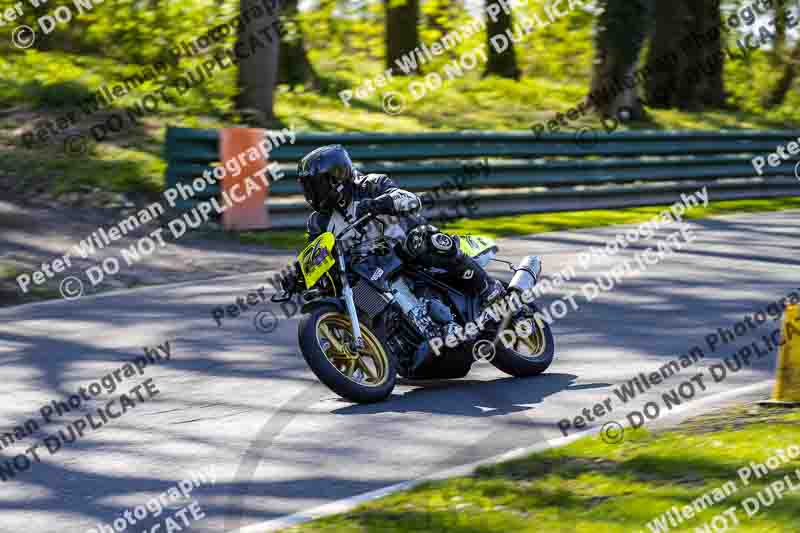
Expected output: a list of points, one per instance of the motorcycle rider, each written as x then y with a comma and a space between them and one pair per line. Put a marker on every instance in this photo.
339, 195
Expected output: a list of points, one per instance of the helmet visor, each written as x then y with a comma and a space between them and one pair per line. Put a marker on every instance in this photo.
320, 193
339, 174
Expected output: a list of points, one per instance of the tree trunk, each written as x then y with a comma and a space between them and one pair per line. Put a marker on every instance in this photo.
621, 30
501, 63
402, 35
780, 42
781, 59
686, 61
258, 73
778, 94
294, 68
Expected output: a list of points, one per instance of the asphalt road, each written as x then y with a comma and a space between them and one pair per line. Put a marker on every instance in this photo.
242, 401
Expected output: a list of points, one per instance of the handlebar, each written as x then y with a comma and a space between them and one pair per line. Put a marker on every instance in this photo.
361, 222
358, 222
281, 298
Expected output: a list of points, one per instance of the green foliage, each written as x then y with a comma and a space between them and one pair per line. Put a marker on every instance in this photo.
60, 94
748, 81
563, 51
345, 41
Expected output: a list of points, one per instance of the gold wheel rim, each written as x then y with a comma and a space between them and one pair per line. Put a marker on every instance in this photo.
369, 367
535, 343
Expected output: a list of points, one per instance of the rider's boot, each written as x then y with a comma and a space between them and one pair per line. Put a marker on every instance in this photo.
492, 291
474, 276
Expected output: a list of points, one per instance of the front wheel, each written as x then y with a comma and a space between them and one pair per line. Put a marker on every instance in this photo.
521, 355
325, 337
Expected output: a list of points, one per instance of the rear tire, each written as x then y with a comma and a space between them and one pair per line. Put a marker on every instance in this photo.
323, 336
520, 364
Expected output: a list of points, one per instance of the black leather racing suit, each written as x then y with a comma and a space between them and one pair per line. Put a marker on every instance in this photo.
413, 238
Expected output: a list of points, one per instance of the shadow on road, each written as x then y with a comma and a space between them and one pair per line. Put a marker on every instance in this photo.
230, 389
447, 397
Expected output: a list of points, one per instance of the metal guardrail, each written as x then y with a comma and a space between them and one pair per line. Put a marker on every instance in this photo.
527, 173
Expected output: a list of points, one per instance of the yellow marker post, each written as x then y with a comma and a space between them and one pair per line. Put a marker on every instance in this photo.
787, 379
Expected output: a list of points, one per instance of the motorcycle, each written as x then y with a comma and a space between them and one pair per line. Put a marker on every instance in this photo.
365, 312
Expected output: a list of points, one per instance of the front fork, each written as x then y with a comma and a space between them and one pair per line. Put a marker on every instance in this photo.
347, 293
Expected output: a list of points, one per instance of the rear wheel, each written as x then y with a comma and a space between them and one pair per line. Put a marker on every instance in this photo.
528, 349
364, 376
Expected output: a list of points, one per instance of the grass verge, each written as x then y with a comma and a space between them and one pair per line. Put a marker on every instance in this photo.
540, 223
289, 239
519, 225
591, 486
9, 290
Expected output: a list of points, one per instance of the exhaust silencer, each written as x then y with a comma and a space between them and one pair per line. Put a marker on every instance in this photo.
527, 274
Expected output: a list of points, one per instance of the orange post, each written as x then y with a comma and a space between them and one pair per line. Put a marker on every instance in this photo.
241, 148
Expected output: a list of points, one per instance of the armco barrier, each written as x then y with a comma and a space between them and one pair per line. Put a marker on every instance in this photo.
528, 173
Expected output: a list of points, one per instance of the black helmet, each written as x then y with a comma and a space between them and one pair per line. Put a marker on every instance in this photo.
326, 175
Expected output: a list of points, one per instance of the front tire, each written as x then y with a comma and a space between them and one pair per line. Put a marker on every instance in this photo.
528, 355
368, 376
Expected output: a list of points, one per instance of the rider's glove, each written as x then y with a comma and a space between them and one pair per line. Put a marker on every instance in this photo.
382, 205
290, 278
365, 207
404, 202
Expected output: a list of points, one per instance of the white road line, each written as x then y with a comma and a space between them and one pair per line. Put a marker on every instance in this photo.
348, 504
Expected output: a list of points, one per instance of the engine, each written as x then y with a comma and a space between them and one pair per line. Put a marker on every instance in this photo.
419, 314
